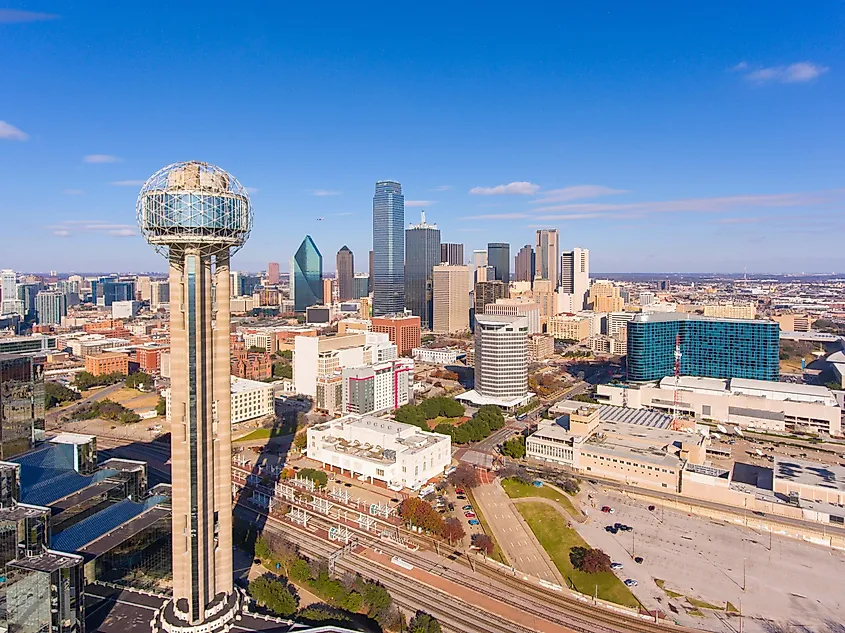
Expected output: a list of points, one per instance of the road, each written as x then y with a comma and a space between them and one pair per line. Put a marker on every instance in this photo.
51, 419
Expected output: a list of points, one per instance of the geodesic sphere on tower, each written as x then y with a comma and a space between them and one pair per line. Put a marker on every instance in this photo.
194, 205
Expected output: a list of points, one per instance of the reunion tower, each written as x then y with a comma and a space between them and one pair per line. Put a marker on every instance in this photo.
197, 216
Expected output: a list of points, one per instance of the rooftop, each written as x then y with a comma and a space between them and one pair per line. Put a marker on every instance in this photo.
810, 473
662, 317
242, 385
22, 511
47, 562
72, 438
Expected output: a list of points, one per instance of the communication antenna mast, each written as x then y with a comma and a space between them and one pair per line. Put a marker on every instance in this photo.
676, 396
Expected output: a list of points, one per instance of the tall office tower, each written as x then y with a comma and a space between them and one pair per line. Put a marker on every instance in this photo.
663, 285
21, 402
422, 254
360, 285
159, 293
273, 274
524, 264
8, 292
543, 292
547, 256
370, 272
329, 290
50, 306
488, 292
198, 215
501, 357
452, 254
499, 257
26, 293
451, 298
604, 296
402, 329
478, 263
345, 274
388, 271
575, 275
142, 288
306, 276
710, 347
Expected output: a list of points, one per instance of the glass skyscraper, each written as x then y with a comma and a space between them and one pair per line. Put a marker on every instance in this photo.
306, 276
715, 348
388, 272
422, 254
21, 402
499, 257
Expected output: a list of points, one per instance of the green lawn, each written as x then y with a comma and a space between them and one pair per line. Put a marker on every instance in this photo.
550, 529
485, 527
265, 434
516, 490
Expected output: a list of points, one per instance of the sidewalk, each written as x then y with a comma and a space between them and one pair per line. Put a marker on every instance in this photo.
513, 535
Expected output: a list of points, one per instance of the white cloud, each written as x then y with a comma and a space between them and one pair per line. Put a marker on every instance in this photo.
61, 232
578, 192
69, 228
325, 192
10, 133
442, 188
15, 16
128, 183
497, 216
251, 189
419, 203
100, 158
799, 72
521, 188
73, 192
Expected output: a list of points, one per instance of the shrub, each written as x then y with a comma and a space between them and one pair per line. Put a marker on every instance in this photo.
274, 595
514, 447
54, 393
589, 560
483, 542
319, 477
423, 623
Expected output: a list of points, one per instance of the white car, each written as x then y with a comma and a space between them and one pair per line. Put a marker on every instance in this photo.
631, 582
616, 566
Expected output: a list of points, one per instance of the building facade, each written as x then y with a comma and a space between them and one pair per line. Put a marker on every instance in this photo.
21, 402
501, 357
402, 330
422, 254
345, 274
604, 296
107, 363
452, 254
377, 388
569, 327
499, 257
306, 276
575, 275
547, 256
451, 298
273, 276
388, 268
51, 307
519, 306
524, 264
731, 311
715, 348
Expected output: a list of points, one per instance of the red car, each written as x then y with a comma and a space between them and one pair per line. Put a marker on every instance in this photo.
605, 508
459, 491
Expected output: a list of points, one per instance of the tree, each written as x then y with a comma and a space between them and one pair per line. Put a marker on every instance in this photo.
453, 530
419, 513
255, 349
300, 441
161, 407
85, 380
274, 595
464, 476
492, 415
299, 570
285, 353
54, 393
516, 472
262, 549
376, 599
282, 370
411, 414
139, 380
319, 477
514, 447
483, 542
423, 623
585, 397
589, 560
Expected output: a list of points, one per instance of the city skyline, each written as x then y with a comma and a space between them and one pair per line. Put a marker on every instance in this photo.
703, 151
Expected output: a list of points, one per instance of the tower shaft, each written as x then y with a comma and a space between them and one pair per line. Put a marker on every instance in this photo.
200, 431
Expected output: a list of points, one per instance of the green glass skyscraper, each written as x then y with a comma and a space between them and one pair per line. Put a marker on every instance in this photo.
306, 276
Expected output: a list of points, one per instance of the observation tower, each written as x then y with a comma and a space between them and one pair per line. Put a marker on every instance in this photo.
198, 215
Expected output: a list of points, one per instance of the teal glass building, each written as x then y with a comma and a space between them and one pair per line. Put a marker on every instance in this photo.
306, 276
715, 348
388, 268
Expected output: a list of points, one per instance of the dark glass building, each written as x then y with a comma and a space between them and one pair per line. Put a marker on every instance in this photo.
106, 291
710, 347
46, 594
452, 254
524, 264
306, 276
345, 274
499, 257
422, 254
388, 270
21, 402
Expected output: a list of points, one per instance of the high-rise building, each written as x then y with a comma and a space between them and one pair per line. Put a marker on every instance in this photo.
345, 274
488, 292
8, 292
21, 402
520, 306
422, 254
403, 330
543, 292
273, 273
388, 271
547, 256
329, 290
360, 285
306, 276
143, 288
50, 306
524, 264
370, 270
451, 298
575, 275
501, 357
478, 267
499, 257
604, 296
159, 294
26, 293
107, 290
715, 348
452, 254
173, 217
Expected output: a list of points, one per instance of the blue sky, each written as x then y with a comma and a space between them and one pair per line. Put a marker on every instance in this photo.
664, 137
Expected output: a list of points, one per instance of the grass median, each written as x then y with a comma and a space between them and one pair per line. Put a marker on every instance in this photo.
518, 490
550, 529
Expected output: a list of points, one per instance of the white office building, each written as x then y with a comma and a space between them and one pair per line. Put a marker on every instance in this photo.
517, 306
379, 450
575, 276
438, 356
9, 303
501, 362
51, 307
250, 399
617, 322
125, 309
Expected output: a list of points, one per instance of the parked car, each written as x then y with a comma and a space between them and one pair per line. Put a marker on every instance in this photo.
460, 491
473, 521
638, 560
630, 582
470, 515
625, 528
467, 508
606, 509
651, 508
611, 529
615, 566
462, 497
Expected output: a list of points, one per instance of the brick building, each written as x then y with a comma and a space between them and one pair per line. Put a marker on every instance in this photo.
107, 363
404, 331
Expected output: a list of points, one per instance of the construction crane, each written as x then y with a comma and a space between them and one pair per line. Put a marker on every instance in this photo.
676, 395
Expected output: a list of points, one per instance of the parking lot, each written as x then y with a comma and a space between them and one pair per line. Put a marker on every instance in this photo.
777, 579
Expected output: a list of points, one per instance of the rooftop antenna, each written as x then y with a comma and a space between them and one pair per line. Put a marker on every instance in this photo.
422, 216
676, 396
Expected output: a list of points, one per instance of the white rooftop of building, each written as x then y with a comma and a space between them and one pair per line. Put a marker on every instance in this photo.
72, 438
478, 400
778, 390
241, 385
802, 471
